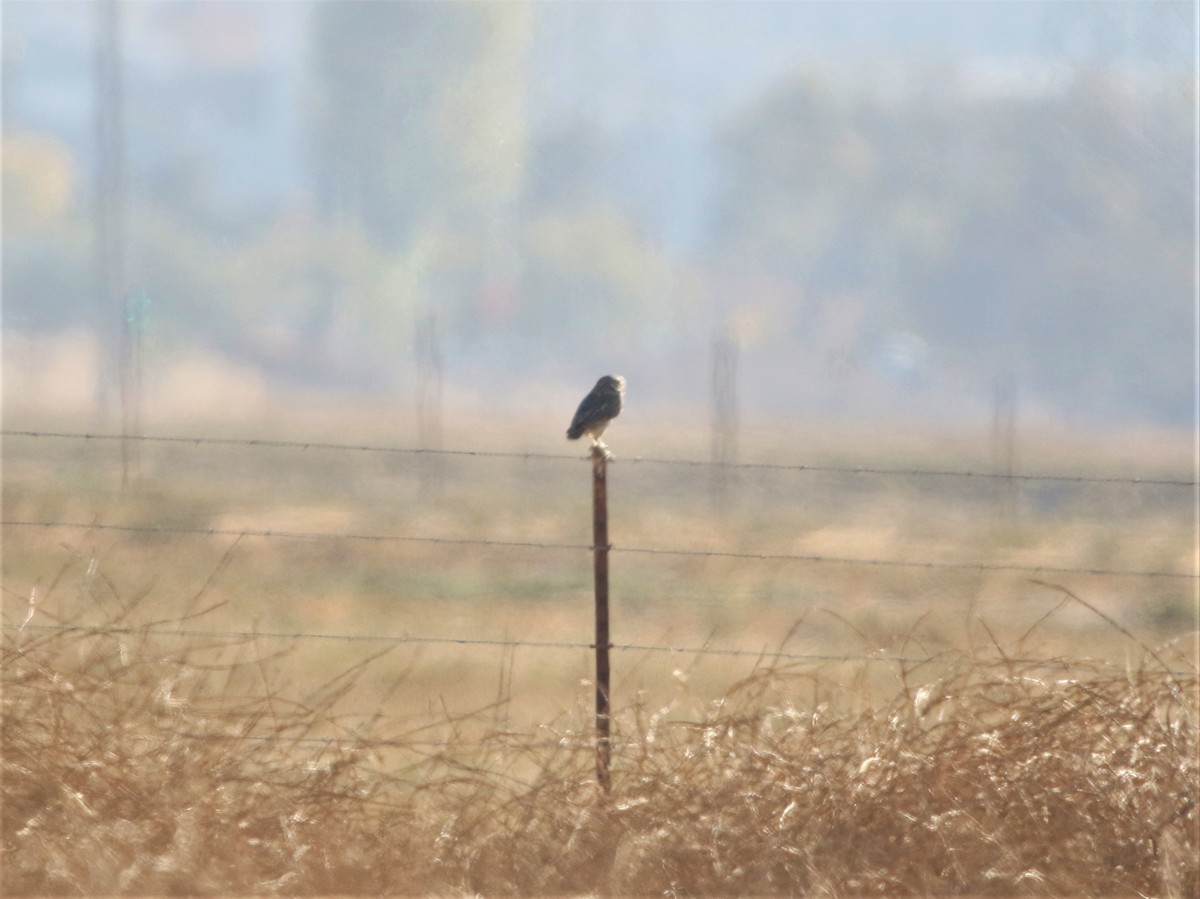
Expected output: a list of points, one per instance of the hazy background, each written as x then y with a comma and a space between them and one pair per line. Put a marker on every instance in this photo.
897, 209
299, 245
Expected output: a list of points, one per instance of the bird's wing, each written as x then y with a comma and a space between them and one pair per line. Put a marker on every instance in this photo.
596, 406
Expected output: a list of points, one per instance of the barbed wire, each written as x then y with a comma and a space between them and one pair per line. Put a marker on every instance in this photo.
572, 743
291, 535
577, 742
928, 564
778, 654
635, 460
400, 639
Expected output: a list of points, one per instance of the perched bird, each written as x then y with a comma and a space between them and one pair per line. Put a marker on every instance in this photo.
598, 408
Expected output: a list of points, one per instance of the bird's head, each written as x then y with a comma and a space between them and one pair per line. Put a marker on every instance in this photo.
612, 382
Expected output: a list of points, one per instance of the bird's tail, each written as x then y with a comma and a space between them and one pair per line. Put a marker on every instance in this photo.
574, 432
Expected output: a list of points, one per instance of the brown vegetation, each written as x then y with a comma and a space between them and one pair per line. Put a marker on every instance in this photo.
140, 763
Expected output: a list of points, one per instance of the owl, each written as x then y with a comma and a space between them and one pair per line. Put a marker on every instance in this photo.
598, 408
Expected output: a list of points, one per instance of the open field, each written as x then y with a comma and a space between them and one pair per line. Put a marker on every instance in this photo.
1018, 725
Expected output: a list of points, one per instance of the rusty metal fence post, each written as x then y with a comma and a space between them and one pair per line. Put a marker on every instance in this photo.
600, 548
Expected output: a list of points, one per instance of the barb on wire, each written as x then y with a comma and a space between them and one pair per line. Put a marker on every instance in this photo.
927, 564
882, 471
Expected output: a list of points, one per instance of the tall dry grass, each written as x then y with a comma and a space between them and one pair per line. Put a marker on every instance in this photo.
135, 764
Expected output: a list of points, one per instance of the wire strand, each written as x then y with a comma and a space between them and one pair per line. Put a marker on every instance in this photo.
878, 657
635, 460
400, 639
580, 742
928, 564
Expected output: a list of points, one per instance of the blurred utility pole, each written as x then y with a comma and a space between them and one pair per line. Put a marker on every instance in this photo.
427, 346
119, 324
724, 414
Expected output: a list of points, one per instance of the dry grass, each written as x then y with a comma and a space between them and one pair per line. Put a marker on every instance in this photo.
134, 764
1037, 749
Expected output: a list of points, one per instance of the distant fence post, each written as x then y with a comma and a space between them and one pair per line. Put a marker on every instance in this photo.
111, 229
724, 415
429, 402
1004, 449
600, 548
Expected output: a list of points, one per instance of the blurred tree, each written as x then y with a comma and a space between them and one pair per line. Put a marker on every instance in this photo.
39, 183
418, 134
417, 111
592, 281
566, 168
261, 301
45, 277
1047, 233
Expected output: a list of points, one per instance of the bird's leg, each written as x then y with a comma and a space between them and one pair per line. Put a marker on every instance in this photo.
598, 444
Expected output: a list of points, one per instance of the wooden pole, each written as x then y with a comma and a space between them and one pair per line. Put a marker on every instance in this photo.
600, 548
